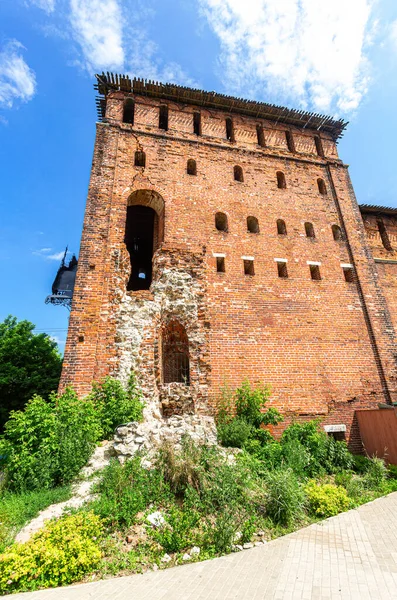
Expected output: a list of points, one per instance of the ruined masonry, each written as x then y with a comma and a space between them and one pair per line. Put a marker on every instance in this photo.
222, 241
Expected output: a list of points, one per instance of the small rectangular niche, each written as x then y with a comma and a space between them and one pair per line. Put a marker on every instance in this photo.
220, 264
197, 123
348, 272
314, 270
248, 265
163, 117
282, 267
129, 111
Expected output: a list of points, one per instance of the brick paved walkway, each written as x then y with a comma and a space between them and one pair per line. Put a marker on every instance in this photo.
351, 556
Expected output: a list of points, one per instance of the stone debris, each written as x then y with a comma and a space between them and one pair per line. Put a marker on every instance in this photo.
248, 545
195, 551
186, 557
166, 558
237, 548
156, 519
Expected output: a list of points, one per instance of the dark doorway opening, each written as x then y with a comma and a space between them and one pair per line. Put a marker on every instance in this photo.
139, 239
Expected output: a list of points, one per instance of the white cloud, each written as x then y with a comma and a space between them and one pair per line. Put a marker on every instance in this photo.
47, 5
97, 28
305, 51
57, 340
393, 33
17, 80
45, 253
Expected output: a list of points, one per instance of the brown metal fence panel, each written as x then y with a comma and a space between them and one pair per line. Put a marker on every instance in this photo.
378, 430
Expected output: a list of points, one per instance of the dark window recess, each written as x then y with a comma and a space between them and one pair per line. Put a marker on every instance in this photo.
282, 270
249, 267
191, 167
309, 230
238, 174
129, 111
261, 136
139, 239
252, 224
315, 272
336, 232
163, 117
321, 186
140, 159
229, 130
281, 183
221, 221
197, 123
349, 274
281, 227
175, 354
220, 264
319, 146
290, 141
384, 236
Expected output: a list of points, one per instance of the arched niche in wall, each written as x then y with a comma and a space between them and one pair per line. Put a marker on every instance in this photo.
144, 232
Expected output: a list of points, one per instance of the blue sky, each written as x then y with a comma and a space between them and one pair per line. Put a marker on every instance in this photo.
337, 57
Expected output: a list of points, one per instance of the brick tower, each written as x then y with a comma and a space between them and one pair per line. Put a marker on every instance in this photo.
222, 240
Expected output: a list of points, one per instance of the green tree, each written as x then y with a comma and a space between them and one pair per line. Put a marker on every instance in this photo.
29, 364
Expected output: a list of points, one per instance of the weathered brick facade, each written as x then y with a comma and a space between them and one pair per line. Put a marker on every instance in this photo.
326, 347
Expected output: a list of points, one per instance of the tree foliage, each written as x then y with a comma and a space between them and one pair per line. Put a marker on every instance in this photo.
29, 364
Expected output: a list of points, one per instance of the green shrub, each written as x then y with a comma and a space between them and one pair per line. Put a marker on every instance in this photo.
126, 490
250, 404
115, 405
360, 463
61, 553
18, 509
296, 457
182, 469
285, 498
235, 434
376, 473
392, 471
178, 531
326, 500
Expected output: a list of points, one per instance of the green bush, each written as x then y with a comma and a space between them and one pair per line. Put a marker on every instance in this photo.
296, 457
360, 463
392, 471
284, 498
61, 553
178, 532
235, 433
326, 500
182, 469
376, 473
18, 509
115, 405
125, 490
250, 404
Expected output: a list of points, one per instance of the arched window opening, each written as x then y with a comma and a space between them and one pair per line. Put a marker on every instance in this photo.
140, 158
281, 183
175, 354
384, 236
337, 232
238, 174
319, 146
260, 135
129, 111
290, 141
191, 167
221, 221
197, 123
309, 229
143, 235
322, 188
229, 129
281, 227
252, 224
163, 117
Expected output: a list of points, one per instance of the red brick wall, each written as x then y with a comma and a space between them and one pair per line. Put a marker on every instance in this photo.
325, 347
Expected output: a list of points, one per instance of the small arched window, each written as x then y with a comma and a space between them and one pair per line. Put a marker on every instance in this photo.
336, 232
221, 221
260, 135
191, 167
129, 111
229, 129
319, 146
281, 183
322, 188
309, 229
140, 158
252, 224
175, 354
238, 174
281, 227
290, 141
